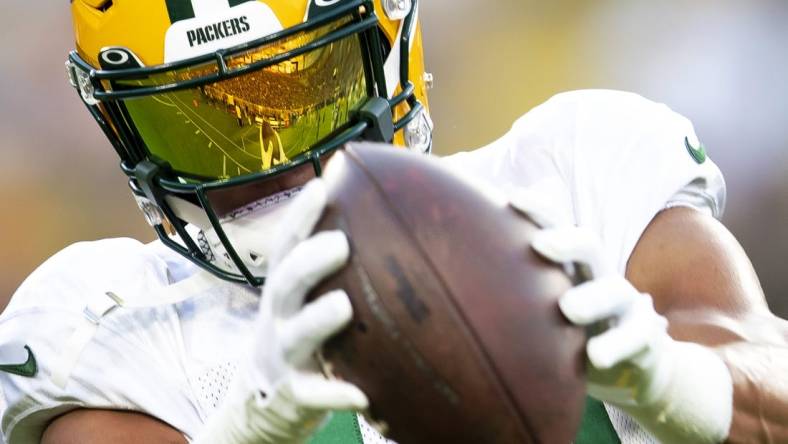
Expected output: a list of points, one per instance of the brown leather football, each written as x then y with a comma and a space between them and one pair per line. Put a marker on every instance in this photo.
457, 336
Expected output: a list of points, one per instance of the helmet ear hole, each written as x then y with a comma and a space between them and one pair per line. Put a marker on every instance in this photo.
99, 5
104, 7
116, 57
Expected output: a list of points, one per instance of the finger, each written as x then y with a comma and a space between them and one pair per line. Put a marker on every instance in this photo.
634, 335
307, 264
573, 244
597, 300
302, 334
537, 206
317, 392
299, 219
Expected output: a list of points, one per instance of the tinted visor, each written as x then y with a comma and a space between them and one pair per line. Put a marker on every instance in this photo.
255, 121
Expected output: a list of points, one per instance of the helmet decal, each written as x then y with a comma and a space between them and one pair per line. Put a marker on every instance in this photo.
217, 25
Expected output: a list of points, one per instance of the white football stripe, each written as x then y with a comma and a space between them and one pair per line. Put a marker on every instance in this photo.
261, 18
204, 8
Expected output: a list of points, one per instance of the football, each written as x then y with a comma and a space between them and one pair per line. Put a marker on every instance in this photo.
457, 336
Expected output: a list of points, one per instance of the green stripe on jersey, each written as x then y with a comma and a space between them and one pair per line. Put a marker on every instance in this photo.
596, 427
342, 428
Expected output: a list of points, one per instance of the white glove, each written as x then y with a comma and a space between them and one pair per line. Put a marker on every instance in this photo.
681, 392
279, 397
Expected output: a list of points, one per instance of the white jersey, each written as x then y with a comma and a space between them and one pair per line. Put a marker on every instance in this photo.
609, 161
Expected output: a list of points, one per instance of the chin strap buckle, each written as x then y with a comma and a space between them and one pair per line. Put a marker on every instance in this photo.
98, 305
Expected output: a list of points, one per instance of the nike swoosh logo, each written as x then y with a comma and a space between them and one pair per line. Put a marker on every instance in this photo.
27, 369
699, 153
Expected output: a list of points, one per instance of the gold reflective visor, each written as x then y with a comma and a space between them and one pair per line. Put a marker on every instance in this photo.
255, 121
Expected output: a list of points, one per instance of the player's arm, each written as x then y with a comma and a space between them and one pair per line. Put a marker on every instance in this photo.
680, 391
89, 426
717, 376
703, 283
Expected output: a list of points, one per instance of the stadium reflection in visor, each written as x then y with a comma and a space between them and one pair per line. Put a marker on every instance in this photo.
256, 121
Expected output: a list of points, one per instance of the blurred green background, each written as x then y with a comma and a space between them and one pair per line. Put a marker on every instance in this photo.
722, 63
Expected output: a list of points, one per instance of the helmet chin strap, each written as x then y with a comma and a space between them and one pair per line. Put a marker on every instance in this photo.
251, 229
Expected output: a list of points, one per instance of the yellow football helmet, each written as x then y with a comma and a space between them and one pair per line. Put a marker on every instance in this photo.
203, 97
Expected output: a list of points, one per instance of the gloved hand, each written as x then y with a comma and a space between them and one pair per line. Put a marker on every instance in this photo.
279, 397
681, 392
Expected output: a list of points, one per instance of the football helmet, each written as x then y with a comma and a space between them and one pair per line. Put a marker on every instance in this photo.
206, 100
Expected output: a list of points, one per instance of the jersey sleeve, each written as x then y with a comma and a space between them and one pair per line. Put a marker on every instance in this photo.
609, 160
131, 361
